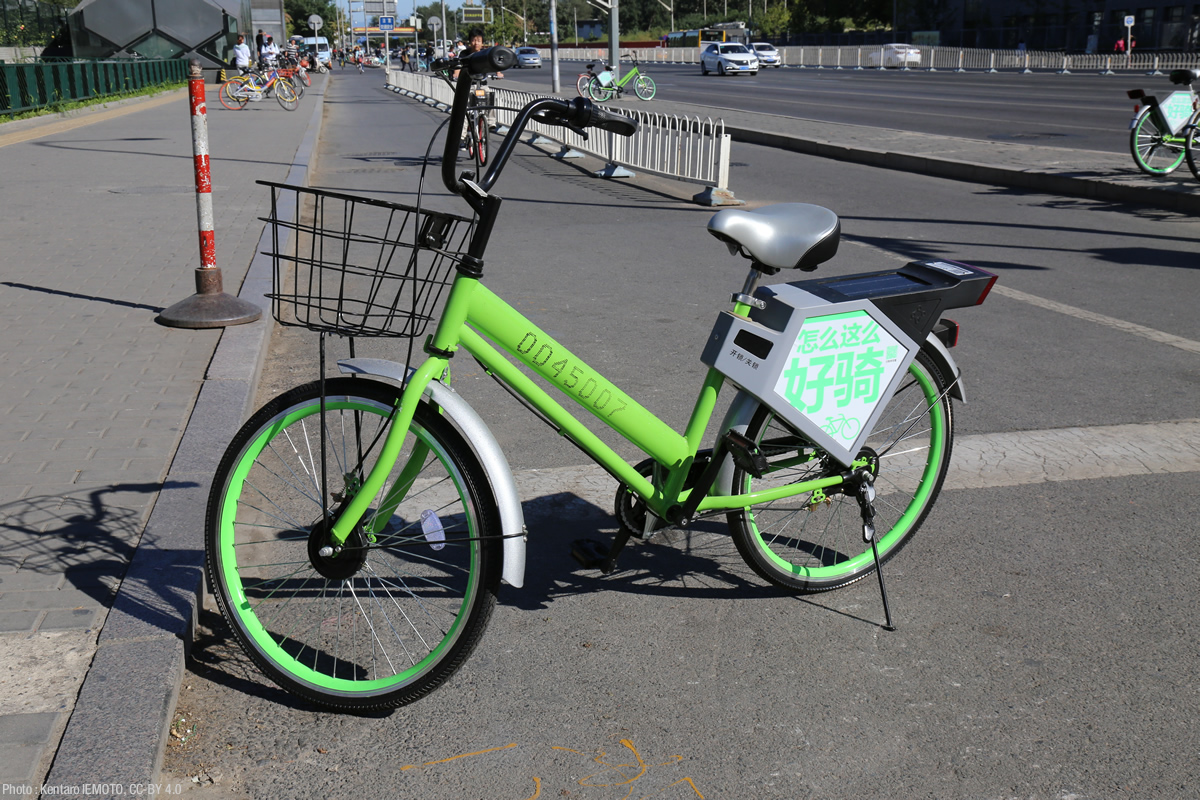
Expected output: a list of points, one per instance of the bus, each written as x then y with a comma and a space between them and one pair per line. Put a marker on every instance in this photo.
718, 32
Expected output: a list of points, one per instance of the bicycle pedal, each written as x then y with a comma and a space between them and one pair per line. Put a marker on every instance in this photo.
590, 553
745, 453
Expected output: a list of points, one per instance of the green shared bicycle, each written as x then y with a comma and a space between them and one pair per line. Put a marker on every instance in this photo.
1160, 131
605, 86
358, 527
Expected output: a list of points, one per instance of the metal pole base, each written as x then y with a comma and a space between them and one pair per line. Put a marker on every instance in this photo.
209, 307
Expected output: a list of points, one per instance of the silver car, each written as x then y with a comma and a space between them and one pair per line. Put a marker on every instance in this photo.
768, 56
528, 57
894, 55
727, 58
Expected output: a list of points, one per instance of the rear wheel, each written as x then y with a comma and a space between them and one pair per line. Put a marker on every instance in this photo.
601, 94
1154, 151
581, 84
813, 542
644, 87
393, 613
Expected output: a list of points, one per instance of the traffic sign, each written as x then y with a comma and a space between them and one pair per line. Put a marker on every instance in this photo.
315, 22
435, 23
1129, 21
387, 23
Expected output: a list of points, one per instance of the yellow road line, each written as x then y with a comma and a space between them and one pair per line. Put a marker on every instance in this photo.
78, 122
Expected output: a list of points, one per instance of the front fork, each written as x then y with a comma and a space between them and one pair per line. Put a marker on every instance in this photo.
393, 443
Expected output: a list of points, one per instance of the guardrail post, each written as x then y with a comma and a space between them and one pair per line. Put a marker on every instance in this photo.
612, 169
860, 66
1027, 70
1066, 64
961, 54
209, 307
1108, 66
720, 195
820, 54
932, 58
839, 58
1155, 70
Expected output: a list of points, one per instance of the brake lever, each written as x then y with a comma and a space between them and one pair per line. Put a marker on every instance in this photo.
548, 118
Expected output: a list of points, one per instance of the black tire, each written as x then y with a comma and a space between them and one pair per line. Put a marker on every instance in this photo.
721, 68
391, 616
1192, 149
1152, 150
481, 132
703, 67
813, 542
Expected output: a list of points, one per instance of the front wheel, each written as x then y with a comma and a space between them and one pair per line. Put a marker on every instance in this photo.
644, 87
285, 93
1191, 148
388, 617
601, 94
813, 542
1154, 151
481, 133
581, 84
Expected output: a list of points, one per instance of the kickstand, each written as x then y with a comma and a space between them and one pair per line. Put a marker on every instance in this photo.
866, 498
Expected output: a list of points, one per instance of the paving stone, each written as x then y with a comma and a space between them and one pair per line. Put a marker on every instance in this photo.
19, 729
14, 621
69, 619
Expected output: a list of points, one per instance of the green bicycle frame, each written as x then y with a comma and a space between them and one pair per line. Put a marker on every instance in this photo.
473, 312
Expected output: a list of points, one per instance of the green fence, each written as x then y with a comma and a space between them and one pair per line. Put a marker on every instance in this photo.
24, 87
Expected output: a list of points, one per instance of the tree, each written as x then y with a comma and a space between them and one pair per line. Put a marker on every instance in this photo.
773, 21
298, 12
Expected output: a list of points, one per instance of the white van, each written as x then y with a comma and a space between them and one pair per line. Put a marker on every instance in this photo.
321, 45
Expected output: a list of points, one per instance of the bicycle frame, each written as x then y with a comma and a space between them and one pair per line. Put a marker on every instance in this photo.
472, 312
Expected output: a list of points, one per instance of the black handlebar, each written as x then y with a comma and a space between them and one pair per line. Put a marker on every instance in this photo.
578, 115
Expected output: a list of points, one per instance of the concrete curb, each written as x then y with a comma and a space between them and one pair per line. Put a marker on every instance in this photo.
121, 720
1031, 178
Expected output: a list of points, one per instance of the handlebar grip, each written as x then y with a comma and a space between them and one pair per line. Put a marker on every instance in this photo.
613, 123
494, 59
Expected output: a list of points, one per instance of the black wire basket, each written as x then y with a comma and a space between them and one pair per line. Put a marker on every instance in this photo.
357, 266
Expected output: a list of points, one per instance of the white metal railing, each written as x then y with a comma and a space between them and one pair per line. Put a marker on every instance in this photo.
950, 59
674, 146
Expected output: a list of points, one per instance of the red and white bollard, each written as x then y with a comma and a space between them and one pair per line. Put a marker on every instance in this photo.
209, 307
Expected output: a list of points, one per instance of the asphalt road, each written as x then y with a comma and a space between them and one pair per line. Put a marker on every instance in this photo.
1047, 644
1079, 111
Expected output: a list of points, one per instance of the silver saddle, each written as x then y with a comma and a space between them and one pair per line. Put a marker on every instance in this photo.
783, 236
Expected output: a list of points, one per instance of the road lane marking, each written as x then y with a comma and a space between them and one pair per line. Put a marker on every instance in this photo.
1100, 319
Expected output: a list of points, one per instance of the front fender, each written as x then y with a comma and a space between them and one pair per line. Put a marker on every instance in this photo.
742, 408
482, 443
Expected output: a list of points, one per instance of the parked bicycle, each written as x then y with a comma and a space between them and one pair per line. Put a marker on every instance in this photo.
358, 527
1159, 131
239, 90
605, 86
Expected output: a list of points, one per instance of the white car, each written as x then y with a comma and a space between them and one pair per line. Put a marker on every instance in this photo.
528, 57
894, 55
768, 56
727, 58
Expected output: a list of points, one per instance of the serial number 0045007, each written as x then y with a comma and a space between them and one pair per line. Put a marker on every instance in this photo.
575, 380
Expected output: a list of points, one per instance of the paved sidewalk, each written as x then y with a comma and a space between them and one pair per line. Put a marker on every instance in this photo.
102, 489
99, 234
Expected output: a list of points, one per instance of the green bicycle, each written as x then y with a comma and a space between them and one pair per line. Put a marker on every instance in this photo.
358, 527
1159, 132
603, 87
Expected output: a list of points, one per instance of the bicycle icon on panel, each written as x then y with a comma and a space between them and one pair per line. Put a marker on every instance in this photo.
843, 426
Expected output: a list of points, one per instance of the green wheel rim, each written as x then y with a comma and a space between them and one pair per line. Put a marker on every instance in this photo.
241, 606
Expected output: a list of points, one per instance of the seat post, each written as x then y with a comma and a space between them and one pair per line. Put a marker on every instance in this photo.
746, 296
